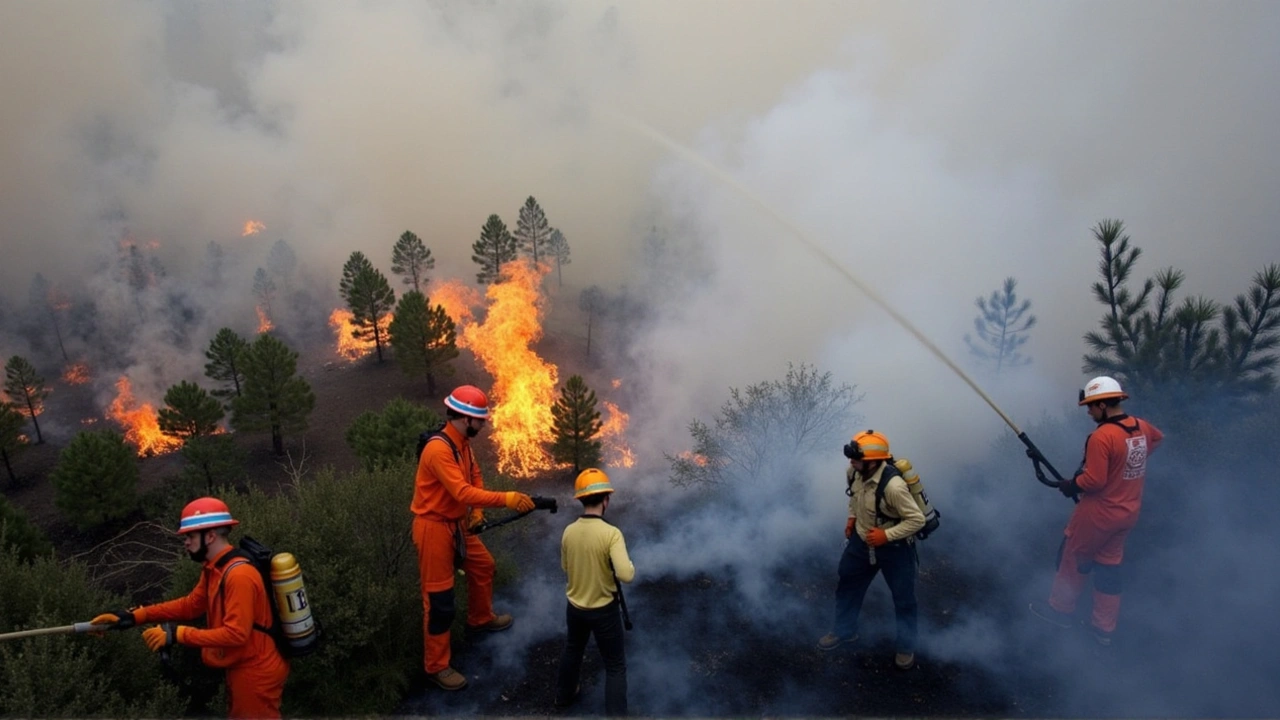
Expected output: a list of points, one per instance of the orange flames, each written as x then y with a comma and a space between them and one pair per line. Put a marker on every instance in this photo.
612, 428
696, 458
523, 383
76, 374
264, 321
349, 347
457, 300
141, 426
252, 227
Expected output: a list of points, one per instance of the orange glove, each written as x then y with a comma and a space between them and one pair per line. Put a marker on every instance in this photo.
519, 502
876, 537
848, 528
477, 517
162, 636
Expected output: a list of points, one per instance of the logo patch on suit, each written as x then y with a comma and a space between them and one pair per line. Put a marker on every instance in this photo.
1135, 463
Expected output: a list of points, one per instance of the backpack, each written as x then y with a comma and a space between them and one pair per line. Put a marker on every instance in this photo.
439, 432
931, 516
251, 552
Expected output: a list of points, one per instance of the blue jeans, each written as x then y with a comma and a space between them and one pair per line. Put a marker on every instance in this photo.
606, 624
898, 562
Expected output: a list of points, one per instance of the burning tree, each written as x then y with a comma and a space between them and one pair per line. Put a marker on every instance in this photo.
411, 259
96, 479
274, 397
226, 363
424, 337
558, 248
766, 426
189, 412
576, 426
11, 423
494, 249
1002, 326
26, 390
370, 298
388, 438
264, 291
532, 231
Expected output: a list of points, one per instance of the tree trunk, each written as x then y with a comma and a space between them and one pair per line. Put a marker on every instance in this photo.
588, 336
13, 477
277, 440
57, 331
31, 406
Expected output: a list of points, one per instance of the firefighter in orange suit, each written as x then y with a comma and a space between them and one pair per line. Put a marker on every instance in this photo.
231, 597
447, 496
1109, 485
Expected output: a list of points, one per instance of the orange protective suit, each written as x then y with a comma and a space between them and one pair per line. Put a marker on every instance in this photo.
445, 490
1111, 481
256, 672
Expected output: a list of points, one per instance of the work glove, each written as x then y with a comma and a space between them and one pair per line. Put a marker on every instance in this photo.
1069, 488
877, 537
476, 519
848, 528
115, 620
519, 502
162, 637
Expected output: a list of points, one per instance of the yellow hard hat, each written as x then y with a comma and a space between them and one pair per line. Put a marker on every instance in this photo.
869, 445
591, 482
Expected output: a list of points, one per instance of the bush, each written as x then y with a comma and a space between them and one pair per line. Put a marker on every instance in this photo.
390, 437
19, 534
96, 479
71, 676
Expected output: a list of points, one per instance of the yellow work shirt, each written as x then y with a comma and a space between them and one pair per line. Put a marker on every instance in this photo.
586, 549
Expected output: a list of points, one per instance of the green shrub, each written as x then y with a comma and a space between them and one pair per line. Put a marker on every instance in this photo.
390, 437
96, 479
72, 675
17, 533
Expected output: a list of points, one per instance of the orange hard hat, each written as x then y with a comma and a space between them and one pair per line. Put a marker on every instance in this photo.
468, 400
205, 513
868, 445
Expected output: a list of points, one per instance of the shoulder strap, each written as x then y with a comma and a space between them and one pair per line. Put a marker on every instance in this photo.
242, 561
430, 435
888, 473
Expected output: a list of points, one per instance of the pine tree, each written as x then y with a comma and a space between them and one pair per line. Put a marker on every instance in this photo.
1002, 327
215, 263
576, 423
189, 412
273, 396
264, 290
1251, 327
370, 298
281, 262
411, 259
494, 249
591, 302
390, 436
558, 248
96, 479
45, 305
11, 422
226, 363
213, 459
424, 338
26, 390
532, 231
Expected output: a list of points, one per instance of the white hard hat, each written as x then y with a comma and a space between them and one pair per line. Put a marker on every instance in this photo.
1101, 388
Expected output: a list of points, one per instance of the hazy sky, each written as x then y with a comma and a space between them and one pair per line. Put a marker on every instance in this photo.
932, 148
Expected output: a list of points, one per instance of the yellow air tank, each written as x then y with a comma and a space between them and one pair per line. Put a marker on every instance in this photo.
912, 478
291, 602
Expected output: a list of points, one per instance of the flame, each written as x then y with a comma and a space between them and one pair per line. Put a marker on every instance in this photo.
141, 426
264, 321
523, 383
457, 300
612, 428
23, 439
617, 383
76, 374
698, 459
252, 227
342, 321
88, 420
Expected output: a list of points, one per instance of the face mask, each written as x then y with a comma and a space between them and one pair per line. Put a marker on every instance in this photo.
472, 430
202, 553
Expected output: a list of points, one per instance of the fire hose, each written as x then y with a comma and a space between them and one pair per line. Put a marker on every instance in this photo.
80, 627
539, 503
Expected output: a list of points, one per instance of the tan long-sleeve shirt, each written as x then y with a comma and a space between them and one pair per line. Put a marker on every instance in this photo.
905, 516
587, 547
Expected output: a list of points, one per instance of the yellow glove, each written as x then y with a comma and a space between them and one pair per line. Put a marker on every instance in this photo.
162, 636
519, 502
477, 517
